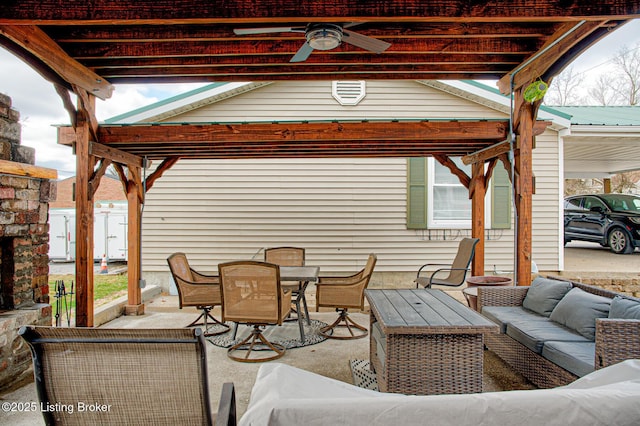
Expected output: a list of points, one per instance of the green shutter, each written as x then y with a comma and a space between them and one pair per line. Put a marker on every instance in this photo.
416, 193
500, 198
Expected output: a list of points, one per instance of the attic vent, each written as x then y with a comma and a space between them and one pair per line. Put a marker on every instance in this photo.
348, 92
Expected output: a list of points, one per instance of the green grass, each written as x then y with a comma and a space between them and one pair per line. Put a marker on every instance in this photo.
105, 288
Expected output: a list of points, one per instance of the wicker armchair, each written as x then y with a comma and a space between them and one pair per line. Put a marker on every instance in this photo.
252, 294
198, 290
290, 256
343, 293
457, 270
108, 371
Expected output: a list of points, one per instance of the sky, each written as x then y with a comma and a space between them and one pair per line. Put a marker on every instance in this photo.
41, 108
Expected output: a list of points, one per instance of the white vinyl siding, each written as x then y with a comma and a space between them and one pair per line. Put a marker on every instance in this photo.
339, 210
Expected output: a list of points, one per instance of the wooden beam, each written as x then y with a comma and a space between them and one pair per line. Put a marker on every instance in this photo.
487, 153
288, 46
40, 45
477, 193
134, 293
84, 226
558, 45
87, 107
494, 151
174, 134
115, 155
524, 189
105, 12
35, 63
22, 169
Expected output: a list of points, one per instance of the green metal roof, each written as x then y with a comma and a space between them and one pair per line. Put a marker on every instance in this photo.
602, 115
154, 105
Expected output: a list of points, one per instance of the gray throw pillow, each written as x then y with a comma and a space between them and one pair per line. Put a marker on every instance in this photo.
578, 311
623, 308
544, 294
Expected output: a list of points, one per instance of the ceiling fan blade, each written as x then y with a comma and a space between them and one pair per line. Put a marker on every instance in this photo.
303, 53
365, 42
247, 31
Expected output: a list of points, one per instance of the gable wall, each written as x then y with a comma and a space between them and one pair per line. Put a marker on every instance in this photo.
338, 209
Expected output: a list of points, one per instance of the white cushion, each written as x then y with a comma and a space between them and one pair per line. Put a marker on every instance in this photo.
285, 395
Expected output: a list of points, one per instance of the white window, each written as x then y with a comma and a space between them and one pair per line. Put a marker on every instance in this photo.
449, 204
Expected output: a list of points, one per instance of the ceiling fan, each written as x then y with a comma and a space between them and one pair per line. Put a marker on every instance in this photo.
322, 37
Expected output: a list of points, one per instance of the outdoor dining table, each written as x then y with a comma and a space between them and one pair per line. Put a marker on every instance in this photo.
301, 276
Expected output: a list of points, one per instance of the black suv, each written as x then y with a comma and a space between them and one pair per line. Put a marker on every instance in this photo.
613, 220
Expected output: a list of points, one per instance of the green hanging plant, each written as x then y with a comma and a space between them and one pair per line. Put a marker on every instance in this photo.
535, 91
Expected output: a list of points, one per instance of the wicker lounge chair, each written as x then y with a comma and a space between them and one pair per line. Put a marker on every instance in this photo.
252, 294
198, 290
290, 256
343, 293
124, 376
457, 271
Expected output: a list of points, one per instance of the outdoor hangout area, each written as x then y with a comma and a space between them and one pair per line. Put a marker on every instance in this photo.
339, 223
237, 348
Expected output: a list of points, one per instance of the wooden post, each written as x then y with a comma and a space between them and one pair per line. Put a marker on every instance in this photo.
84, 223
134, 190
525, 119
606, 183
477, 194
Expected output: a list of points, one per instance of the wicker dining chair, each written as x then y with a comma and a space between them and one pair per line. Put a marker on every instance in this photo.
290, 256
252, 294
90, 376
457, 271
197, 290
343, 293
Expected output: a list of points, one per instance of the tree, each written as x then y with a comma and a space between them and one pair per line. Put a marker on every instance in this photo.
566, 89
627, 63
603, 93
618, 86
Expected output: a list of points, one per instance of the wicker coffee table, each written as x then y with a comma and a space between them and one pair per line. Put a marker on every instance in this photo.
425, 342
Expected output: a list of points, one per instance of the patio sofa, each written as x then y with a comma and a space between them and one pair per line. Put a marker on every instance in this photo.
556, 331
285, 395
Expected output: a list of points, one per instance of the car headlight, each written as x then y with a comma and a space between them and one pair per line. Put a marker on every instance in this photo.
635, 220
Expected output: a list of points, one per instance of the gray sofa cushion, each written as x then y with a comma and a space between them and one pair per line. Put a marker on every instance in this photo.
575, 357
502, 315
623, 308
533, 334
579, 309
544, 294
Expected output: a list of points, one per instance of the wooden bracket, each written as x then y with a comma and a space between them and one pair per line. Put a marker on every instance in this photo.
166, 164
453, 167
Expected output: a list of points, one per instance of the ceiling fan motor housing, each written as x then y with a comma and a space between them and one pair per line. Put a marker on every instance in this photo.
324, 36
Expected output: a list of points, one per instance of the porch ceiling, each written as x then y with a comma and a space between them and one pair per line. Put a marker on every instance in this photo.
600, 155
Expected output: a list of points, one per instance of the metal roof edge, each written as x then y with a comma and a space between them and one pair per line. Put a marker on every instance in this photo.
492, 98
184, 102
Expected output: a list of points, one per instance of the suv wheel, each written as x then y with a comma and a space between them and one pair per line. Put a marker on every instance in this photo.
620, 241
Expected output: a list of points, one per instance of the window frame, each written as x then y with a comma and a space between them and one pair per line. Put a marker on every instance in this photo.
450, 224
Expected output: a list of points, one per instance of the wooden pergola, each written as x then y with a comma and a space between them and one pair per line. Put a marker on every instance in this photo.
86, 47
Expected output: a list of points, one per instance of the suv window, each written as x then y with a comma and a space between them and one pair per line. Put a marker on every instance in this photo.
573, 204
591, 202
